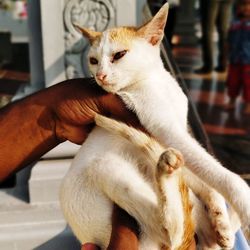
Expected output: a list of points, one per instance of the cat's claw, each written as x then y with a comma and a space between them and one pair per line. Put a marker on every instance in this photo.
225, 240
224, 235
169, 161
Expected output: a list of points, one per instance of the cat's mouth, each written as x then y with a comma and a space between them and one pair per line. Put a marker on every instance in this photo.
104, 84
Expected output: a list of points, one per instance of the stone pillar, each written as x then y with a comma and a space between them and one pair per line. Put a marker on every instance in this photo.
35, 52
46, 45
35, 45
52, 29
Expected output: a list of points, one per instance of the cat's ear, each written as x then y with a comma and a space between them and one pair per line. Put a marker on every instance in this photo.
153, 31
91, 35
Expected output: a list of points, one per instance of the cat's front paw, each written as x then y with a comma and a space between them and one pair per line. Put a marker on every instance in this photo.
169, 161
224, 235
225, 238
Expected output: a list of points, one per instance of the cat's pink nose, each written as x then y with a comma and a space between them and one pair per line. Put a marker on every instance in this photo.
101, 76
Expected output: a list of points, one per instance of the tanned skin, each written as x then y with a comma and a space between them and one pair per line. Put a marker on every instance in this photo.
34, 125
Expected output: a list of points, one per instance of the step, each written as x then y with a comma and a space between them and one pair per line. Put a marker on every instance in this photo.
42, 227
30, 214
63, 150
45, 180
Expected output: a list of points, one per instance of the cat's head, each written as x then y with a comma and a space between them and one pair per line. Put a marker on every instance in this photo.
120, 57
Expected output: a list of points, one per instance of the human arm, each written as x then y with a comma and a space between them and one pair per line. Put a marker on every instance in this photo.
34, 125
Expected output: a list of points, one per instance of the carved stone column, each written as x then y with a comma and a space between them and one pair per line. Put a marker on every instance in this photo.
97, 15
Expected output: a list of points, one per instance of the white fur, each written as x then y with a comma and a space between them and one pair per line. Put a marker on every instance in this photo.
99, 177
107, 168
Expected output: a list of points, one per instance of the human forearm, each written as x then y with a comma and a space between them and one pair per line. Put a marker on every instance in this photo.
27, 132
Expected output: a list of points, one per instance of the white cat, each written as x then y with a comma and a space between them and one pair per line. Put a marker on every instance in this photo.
130, 175
207, 235
126, 61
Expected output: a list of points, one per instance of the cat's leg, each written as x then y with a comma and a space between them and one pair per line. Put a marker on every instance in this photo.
86, 209
206, 167
122, 183
173, 200
216, 209
203, 228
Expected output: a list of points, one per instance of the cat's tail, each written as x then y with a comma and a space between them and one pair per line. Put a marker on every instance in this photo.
166, 163
147, 144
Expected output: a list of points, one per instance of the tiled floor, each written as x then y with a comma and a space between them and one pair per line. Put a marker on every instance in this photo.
229, 131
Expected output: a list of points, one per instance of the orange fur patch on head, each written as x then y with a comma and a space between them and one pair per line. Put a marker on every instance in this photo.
123, 35
91, 35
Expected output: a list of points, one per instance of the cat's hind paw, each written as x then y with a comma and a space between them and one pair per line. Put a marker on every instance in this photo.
169, 161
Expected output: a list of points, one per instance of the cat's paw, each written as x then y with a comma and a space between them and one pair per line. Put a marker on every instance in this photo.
222, 228
225, 237
169, 161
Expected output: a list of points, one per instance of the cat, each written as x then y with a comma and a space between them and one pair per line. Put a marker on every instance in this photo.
126, 61
163, 193
204, 232
149, 186
164, 165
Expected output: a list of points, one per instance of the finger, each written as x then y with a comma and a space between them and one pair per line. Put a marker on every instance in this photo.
125, 231
90, 246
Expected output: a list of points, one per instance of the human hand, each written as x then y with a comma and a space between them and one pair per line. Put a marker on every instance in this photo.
75, 104
125, 231
90, 246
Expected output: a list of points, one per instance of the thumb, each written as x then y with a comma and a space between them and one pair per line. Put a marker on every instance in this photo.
90, 246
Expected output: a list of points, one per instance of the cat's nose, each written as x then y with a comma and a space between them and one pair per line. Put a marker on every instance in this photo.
101, 76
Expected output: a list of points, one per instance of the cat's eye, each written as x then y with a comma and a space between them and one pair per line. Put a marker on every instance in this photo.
119, 55
93, 60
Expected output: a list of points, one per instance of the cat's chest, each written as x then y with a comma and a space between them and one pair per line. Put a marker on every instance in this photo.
154, 106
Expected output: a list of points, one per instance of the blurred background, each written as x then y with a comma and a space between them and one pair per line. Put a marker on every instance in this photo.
39, 47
